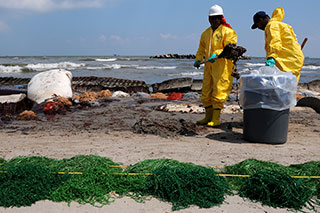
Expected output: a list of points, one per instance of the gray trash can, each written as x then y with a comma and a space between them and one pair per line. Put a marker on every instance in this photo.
266, 96
265, 125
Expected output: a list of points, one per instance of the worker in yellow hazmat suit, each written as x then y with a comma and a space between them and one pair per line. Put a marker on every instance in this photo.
217, 79
281, 44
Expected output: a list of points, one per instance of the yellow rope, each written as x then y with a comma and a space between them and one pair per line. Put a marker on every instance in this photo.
115, 166
70, 173
221, 175
231, 175
315, 177
131, 174
218, 167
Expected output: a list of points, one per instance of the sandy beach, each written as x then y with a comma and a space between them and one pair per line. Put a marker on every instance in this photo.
108, 131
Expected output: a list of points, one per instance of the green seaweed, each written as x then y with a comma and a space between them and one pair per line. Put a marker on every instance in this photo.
185, 186
276, 189
23, 185
99, 181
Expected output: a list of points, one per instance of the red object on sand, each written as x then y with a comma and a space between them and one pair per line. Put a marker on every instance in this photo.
175, 96
53, 107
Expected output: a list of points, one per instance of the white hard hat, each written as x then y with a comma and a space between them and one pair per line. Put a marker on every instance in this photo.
215, 10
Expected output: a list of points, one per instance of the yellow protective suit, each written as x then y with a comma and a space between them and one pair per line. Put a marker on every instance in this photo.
281, 44
217, 79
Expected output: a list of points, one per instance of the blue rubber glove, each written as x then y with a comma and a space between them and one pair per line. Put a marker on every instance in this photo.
196, 64
270, 62
211, 59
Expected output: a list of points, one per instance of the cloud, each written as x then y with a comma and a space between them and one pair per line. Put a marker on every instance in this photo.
167, 36
102, 38
49, 5
115, 37
3, 27
192, 36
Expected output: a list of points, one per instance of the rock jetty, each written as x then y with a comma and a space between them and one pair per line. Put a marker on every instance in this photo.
189, 56
174, 56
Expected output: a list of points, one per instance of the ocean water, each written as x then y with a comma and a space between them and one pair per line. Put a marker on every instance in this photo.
142, 68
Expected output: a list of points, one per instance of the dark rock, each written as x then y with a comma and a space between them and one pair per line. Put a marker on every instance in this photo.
312, 85
175, 56
196, 85
312, 102
177, 84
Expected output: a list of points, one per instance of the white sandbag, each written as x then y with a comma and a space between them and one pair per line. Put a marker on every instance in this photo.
49, 84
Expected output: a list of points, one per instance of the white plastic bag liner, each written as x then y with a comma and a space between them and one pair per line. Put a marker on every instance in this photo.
268, 88
49, 84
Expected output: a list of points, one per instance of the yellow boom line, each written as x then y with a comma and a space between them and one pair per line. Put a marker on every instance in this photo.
147, 174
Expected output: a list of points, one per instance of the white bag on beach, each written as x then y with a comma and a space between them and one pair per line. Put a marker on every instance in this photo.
49, 84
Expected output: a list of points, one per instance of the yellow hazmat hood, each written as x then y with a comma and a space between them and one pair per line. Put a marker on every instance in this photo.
281, 44
278, 14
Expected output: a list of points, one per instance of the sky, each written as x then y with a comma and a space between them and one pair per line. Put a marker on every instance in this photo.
140, 27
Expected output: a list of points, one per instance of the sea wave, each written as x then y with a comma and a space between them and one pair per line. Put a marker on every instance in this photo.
10, 69
105, 59
119, 66
244, 69
133, 59
311, 67
254, 64
157, 67
18, 68
110, 67
97, 68
132, 66
186, 74
64, 65
87, 59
